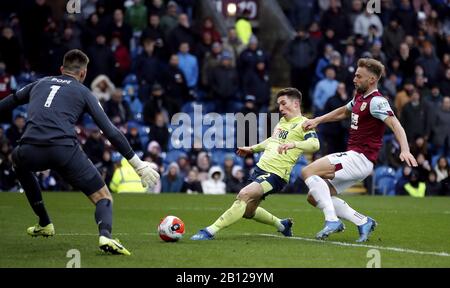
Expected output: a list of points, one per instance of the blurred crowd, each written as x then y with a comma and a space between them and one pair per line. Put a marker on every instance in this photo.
151, 59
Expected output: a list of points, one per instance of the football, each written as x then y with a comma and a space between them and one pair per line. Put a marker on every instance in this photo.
171, 229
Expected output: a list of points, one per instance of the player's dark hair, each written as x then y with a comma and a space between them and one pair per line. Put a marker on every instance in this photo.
75, 60
372, 65
291, 93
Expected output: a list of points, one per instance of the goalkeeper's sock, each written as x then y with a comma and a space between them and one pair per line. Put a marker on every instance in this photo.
319, 189
344, 211
34, 195
263, 216
231, 216
103, 217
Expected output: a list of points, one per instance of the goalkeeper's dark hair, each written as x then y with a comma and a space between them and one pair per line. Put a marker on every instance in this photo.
75, 60
290, 92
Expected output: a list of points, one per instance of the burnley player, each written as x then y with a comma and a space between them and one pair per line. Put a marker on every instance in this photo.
272, 172
331, 175
50, 142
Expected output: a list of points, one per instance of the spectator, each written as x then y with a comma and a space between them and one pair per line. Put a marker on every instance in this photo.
203, 164
122, 59
95, 144
210, 62
445, 84
153, 154
136, 16
335, 133
257, 82
324, 90
336, 19
117, 109
228, 165
147, 68
433, 187
106, 167
364, 21
407, 17
102, 88
407, 60
191, 185
15, 132
237, 181
414, 187
440, 134
214, 184
434, 100
170, 20
389, 154
121, 28
208, 27
301, 54
414, 117
8, 181
189, 65
224, 82
7, 83
441, 169
393, 37
157, 103
403, 96
249, 57
10, 51
101, 59
91, 29
175, 83
182, 33
423, 168
249, 108
445, 185
323, 62
243, 27
159, 131
125, 179
233, 44
155, 7
184, 165
172, 181
430, 63
133, 137
154, 31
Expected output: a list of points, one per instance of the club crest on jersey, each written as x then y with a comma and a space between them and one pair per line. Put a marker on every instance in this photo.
363, 106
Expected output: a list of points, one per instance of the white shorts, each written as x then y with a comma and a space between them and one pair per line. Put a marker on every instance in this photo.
351, 167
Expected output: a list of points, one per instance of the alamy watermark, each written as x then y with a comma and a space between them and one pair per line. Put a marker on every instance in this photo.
73, 6
375, 258
214, 130
75, 261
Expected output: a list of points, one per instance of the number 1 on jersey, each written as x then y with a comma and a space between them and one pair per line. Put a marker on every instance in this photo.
51, 95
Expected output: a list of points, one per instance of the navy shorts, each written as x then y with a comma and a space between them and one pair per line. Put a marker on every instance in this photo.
271, 183
69, 161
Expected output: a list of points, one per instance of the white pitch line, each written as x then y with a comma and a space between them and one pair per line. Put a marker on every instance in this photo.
396, 249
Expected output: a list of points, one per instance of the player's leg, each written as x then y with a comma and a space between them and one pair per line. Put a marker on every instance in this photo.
32, 189
248, 194
82, 174
261, 215
319, 194
355, 167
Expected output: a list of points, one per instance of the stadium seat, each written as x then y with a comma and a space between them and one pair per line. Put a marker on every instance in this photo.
385, 179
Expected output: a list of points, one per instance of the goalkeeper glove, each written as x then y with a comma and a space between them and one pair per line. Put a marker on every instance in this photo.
149, 177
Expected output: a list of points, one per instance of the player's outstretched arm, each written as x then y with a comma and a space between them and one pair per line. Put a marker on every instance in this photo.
405, 155
20, 97
149, 176
247, 150
335, 115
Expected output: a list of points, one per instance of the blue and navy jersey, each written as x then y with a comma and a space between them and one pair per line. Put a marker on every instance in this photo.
55, 105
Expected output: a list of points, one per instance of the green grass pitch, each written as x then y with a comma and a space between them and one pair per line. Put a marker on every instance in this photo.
411, 233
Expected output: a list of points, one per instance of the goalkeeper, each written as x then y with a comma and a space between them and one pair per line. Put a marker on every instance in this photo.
272, 172
50, 142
